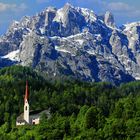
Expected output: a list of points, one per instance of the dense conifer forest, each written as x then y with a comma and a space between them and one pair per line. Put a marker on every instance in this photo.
79, 110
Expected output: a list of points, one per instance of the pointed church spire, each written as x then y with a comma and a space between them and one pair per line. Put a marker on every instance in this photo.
26, 92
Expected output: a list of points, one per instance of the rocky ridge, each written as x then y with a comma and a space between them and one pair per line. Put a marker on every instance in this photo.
74, 41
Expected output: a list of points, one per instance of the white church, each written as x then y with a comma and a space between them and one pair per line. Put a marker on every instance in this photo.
29, 117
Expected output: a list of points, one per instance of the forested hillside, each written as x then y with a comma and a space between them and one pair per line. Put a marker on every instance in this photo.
79, 111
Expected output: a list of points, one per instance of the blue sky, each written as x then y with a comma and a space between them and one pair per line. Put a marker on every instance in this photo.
124, 10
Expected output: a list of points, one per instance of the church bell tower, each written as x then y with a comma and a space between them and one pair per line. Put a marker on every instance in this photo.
26, 104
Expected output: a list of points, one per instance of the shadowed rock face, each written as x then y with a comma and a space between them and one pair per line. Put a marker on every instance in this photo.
109, 19
74, 41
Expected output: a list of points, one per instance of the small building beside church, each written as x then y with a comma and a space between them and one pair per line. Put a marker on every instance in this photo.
30, 117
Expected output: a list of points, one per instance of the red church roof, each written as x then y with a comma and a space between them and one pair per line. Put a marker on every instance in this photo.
26, 92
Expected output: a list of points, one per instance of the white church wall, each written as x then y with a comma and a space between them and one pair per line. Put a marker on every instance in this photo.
20, 123
36, 121
26, 111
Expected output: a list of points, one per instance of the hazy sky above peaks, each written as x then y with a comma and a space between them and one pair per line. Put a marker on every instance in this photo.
124, 11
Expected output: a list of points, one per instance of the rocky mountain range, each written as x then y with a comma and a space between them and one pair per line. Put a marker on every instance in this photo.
76, 42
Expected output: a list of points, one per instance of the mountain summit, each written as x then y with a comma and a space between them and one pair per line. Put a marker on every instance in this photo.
74, 41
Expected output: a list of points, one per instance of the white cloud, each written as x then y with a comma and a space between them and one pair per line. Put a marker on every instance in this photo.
119, 6
4, 7
90, 3
22, 7
123, 9
43, 1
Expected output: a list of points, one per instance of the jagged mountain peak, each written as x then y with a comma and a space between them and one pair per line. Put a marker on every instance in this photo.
69, 8
51, 9
14, 24
68, 5
129, 26
109, 19
75, 41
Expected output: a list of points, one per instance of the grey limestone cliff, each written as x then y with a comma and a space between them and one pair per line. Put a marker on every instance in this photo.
75, 41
